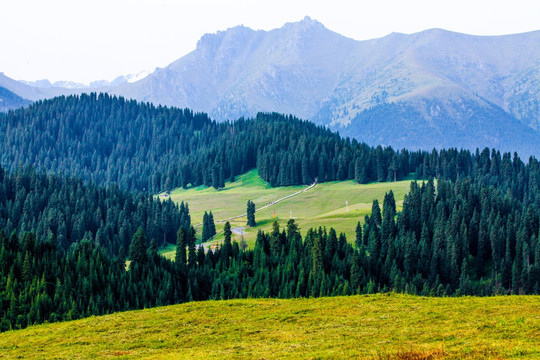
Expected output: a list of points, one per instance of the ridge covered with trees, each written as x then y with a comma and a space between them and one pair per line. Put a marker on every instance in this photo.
64, 241
107, 139
141, 147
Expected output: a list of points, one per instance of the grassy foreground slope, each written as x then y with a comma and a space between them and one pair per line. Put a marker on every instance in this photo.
372, 326
323, 205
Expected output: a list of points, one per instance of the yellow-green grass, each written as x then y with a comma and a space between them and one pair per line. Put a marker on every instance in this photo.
169, 251
323, 205
386, 326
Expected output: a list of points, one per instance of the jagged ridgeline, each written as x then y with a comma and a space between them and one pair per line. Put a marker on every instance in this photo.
139, 146
67, 210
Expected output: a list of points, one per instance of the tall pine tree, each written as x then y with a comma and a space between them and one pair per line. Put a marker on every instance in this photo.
251, 214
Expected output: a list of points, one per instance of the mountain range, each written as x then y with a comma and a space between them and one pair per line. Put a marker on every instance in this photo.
434, 88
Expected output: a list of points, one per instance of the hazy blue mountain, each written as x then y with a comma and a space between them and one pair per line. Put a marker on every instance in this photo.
240, 71
9, 100
46, 84
463, 90
434, 88
31, 92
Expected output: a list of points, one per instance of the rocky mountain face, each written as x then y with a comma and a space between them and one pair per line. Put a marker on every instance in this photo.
430, 89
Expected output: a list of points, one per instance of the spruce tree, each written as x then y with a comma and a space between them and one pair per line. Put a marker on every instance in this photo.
251, 214
226, 251
358, 241
211, 225
275, 243
205, 228
181, 257
192, 252
137, 249
376, 216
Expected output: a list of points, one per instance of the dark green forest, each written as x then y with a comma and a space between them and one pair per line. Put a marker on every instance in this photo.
141, 147
79, 230
477, 235
70, 210
110, 140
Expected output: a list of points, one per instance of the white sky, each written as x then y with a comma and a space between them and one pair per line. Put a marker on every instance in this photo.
81, 40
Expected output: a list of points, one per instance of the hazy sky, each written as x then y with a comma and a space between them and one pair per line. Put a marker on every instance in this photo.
100, 39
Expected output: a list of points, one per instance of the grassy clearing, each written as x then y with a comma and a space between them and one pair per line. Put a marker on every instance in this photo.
324, 205
383, 326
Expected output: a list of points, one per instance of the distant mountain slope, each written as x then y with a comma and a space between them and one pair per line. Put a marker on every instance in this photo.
481, 82
302, 66
32, 92
464, 90
240, 71
429, 123
9, 100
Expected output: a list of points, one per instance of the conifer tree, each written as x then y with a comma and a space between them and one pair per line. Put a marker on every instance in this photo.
275, 241
192, 252
211, 225
226, 251
358, 241
206, 228
376, 217
137, 249
181, 256
251, 214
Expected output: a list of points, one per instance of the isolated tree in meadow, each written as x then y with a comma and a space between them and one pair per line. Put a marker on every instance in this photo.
211, 224
251, 214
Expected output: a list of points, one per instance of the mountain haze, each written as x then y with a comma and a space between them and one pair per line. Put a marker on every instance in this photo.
240, 72
9, 100
434, 88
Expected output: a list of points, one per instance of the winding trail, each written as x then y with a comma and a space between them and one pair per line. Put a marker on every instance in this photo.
240, 230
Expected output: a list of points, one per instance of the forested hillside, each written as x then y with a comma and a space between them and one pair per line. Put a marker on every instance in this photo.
475, 235
138, 146
66, 210
141, 147
65, 241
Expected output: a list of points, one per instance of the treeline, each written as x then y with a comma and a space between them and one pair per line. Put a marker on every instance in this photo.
70, 210
100, 138
107, 139
450, 239
454, 239
39, 283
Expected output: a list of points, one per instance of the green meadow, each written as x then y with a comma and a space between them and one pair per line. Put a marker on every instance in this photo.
323, 205
382, 326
